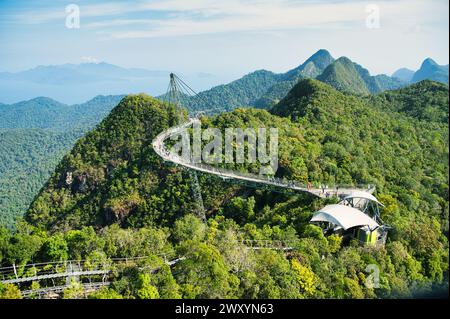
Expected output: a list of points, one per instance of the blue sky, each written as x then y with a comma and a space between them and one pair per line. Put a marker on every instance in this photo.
227, 38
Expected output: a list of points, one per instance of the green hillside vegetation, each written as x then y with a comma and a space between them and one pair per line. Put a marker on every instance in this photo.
46, 113
125, 202
27, 157
347, 76
34, 135
226, 97
344, 76
261, 88
274, 94
426, 100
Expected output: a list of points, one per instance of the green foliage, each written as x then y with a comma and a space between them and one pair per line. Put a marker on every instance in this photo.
124, 202
73, 291
347, 76
144, 289
426, 100
34, 136
27, 158
204, 274
334, 243
105, 293
189, 228
55, 248
305, 278
10, 291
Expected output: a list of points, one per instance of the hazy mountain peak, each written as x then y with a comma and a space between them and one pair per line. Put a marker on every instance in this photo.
432, 71
403, 74
429, 62
41, 100
312, 67
322, 58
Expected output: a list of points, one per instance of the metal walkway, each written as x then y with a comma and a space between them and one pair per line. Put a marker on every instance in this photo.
70, 268
79, 268
325, 192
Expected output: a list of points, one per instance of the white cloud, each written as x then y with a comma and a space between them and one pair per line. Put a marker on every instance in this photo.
196, 17
89, 59
261, 15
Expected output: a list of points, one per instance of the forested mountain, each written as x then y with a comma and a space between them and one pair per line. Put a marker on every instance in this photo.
27, 157
22, 114
261, 88
432, 71
344, 76
243, 91
347, 76
312, 67
112, 196
426, 100
43, 112
34, 135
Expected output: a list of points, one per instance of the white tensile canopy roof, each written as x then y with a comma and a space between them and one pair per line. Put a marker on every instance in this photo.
363, 194
344, 216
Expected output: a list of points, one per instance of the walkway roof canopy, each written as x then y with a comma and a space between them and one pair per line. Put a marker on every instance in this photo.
363, 194
344, 216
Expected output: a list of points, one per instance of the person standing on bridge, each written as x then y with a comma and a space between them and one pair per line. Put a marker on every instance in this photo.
309, 185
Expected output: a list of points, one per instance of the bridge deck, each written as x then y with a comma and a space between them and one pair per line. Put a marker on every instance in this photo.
160, 149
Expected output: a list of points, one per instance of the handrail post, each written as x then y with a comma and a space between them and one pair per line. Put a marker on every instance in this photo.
15, 270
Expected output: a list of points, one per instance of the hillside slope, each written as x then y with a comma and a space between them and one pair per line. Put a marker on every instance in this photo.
425, 100
347, 76
34, 135
116, 176
122, 201
260, 88
46, 113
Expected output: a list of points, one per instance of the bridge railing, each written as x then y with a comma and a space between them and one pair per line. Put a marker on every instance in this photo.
37, 293
319, 189
23, 273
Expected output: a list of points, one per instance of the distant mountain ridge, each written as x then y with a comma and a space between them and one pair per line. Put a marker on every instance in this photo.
263, 89
72, 73
429, 70
313, 66
46, 113
345, 75
75, 83
34, 135
404, 74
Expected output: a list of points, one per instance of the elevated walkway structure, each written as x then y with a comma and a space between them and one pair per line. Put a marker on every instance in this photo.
159, 146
